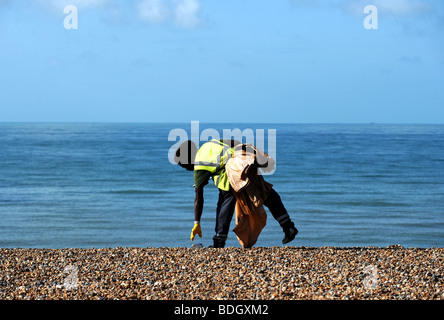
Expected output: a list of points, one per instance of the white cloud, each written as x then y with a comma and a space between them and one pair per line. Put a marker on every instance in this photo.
399, 8
60, 4
183, 13
186, 12
153, 11
404, 7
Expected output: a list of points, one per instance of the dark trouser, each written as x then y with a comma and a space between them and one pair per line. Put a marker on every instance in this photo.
225, 210
224, 214
277, 209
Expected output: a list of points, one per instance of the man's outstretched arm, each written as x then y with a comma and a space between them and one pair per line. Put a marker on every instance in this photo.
198, 203
198, 207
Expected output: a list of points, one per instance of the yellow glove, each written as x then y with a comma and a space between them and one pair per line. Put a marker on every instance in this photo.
196, 230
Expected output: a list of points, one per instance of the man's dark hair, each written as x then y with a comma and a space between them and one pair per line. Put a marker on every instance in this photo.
185, 155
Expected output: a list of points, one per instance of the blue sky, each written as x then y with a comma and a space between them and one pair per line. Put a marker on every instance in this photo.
290, 61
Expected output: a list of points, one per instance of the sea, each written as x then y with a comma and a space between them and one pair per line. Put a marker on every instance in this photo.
101, 185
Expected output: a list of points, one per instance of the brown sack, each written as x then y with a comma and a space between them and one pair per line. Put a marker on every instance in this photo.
250, 190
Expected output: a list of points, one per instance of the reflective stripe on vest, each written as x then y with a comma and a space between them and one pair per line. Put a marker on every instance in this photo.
213, 156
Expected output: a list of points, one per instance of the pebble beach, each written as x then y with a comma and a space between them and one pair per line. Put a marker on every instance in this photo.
262, 273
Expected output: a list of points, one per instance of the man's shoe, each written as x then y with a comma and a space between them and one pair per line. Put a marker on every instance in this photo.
289, 235
218, 244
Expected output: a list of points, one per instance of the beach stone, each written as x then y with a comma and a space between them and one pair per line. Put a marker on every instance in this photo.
284, 273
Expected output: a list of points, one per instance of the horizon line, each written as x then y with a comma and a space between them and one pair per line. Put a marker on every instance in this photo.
219, 122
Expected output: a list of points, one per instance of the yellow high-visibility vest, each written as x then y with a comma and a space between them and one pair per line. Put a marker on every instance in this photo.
212, 156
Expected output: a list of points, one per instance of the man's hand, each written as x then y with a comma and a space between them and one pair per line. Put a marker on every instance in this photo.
196, 230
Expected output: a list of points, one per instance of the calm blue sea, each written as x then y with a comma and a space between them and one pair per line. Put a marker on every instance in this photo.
107, 185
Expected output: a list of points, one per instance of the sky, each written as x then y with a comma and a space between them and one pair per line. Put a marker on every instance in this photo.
242, 61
